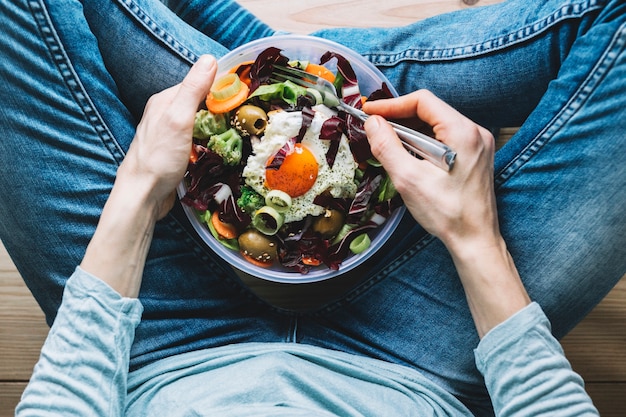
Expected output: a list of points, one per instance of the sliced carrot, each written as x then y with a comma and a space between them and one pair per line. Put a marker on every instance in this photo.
244, 73
193, 155
223, 106
320, 71
256, 262
311, 261
225, 230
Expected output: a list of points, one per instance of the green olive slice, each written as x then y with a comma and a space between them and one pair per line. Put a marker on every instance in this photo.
278, 200
267, 220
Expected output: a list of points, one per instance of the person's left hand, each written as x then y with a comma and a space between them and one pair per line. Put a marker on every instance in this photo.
159, 153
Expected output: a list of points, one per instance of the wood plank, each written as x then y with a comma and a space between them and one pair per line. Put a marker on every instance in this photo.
597, 346
302, 16
10, 394
22, 324
608, 398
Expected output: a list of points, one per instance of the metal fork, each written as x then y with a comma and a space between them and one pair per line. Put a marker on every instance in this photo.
426, 147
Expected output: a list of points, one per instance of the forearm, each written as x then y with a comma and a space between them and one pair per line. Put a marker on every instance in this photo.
492, 285
82, 370
119, 247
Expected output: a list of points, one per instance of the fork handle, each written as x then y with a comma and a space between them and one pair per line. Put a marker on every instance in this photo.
428, 148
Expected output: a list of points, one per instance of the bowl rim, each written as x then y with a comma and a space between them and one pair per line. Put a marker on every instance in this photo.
232, 257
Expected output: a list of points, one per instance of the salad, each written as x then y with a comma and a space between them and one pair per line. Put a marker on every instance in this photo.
279, 177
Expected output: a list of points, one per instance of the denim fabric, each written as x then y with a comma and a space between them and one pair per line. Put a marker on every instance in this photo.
76, 75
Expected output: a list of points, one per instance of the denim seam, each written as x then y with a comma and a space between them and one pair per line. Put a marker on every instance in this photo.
72, 80
152, 26
491, 45
573, 104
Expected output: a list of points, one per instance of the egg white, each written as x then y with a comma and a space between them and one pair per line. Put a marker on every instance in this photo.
283, 126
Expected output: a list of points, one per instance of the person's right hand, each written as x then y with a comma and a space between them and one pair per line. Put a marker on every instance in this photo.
457, 206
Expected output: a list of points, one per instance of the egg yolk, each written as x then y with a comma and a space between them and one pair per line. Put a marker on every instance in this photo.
296, 175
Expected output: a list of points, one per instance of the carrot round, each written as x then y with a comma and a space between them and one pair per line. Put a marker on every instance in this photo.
193, 155
311, 261
320, 71
255, 262
225, 230
227, 94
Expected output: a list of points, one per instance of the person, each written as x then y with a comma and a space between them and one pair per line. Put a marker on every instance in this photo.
451, 320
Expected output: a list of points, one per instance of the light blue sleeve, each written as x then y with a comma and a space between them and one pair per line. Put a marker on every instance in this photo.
526, 371
83, 367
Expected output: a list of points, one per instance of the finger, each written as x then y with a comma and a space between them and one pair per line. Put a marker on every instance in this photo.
389, 151
196, 85
402, 107
436, 112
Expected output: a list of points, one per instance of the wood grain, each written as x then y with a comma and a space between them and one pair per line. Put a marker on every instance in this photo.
305, 16
10, 393
22, 325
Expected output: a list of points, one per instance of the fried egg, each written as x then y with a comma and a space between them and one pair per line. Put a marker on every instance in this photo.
304, 173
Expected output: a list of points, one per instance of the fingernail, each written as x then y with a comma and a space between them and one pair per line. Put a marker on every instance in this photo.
206, 63
373, 122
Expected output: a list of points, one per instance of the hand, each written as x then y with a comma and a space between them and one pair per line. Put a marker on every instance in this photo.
144, 188
159, 153
456, 206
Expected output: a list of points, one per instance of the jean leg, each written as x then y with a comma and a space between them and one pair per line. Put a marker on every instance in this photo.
49, 204
224, 21
561, 193
66, 125
479, 60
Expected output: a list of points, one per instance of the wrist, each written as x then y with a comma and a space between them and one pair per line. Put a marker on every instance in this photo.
137, 189
493, 287
118, 249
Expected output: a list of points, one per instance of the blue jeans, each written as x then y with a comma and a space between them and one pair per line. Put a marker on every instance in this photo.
75, 78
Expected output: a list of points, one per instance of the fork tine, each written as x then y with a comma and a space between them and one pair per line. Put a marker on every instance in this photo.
295, 80
312, 78
417, 143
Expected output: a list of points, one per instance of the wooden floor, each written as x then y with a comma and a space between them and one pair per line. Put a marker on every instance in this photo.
596, 348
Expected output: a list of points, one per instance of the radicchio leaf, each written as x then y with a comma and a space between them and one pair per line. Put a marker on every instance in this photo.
382, 92
202, 176
228, 210
282, 153
327, 200
261, 70
359, 145
332, 129
364, 194
350, 91
307, 117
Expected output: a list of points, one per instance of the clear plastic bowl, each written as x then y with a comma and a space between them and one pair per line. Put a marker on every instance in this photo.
305, 48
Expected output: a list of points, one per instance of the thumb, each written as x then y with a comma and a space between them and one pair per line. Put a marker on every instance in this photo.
196, 84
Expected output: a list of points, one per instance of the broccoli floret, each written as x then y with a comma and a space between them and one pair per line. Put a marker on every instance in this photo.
228, 145
250, 201
207, 124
